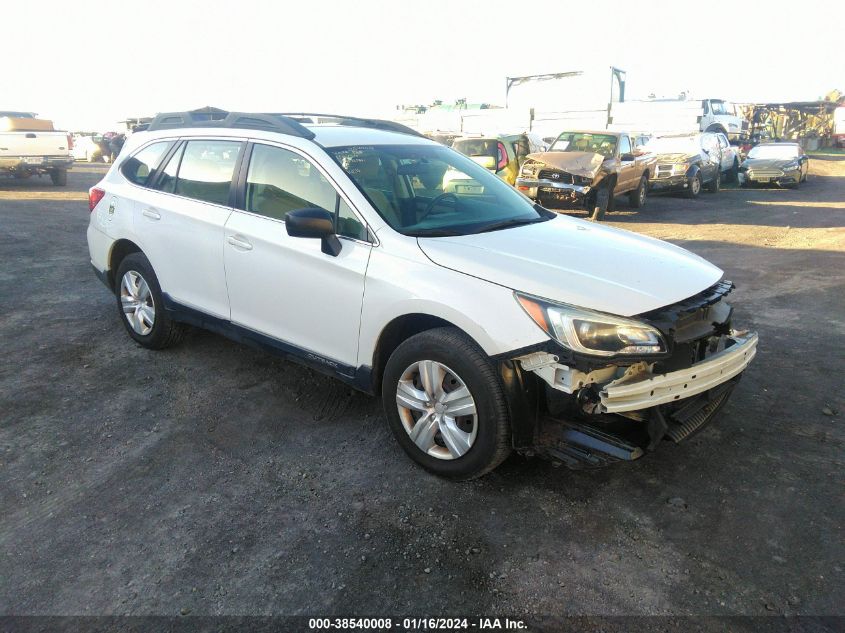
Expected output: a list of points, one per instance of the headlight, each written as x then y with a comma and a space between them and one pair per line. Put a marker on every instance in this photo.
680, 168
590, 332
528, 169
582, 180
790, 167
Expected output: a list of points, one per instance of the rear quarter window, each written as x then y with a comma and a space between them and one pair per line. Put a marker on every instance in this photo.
139, 167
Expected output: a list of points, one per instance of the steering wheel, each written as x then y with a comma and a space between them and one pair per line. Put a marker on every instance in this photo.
437, 200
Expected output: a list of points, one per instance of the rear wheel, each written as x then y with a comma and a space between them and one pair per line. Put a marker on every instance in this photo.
714, 185
141, 305
733, 172
694, 185
637, 197
59, 177
445, 404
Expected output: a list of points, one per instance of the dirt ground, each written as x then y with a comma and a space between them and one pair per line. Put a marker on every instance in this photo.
214, 479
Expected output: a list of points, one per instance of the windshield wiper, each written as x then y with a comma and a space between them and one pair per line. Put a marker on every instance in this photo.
506, 224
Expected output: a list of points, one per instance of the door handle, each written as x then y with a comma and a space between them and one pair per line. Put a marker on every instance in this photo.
151, 213
239, 242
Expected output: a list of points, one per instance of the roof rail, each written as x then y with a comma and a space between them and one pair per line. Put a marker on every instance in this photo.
341, 119
216, 118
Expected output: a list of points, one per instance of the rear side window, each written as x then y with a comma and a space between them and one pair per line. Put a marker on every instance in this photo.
206, 169
138, 168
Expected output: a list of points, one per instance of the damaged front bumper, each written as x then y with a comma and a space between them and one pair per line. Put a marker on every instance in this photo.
634, 388
553, 193
622, 412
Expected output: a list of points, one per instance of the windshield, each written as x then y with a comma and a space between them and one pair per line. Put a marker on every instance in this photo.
431, 190
604, 144
673, 145
774, 151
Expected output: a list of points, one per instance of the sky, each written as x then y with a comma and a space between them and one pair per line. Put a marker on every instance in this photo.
88, 64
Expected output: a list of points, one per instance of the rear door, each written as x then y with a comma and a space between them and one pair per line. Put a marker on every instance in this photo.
712, 154
285, 287
727, 155
181, 222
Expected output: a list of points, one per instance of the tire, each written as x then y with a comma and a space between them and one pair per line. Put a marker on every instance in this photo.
733, 172
457, 362
694, 185
637, 197
59, 177
157, 332
714, 185
602, 203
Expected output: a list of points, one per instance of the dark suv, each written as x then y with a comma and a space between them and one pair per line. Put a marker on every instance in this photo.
686, 163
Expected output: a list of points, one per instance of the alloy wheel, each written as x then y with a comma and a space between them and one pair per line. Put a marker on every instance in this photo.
137, 302
437, 410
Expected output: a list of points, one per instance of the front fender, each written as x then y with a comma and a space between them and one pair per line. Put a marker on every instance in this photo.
398, 285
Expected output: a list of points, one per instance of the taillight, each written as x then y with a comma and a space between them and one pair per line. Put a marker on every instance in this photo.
503, 157
70, 141
94, 197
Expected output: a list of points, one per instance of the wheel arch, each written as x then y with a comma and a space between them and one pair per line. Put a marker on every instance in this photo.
717, 127
396, 332
119, 251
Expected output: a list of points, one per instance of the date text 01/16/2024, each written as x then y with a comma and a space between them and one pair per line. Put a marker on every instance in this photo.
417, 624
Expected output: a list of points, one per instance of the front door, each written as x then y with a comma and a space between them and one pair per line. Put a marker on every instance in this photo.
285, 287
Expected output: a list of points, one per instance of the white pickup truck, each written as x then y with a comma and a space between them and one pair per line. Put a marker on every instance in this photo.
29, 146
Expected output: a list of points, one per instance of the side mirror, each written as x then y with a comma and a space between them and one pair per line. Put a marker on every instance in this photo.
317, 223
627, 157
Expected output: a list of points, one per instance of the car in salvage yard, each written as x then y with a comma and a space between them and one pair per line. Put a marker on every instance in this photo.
783, 164
686, 163
29, 146
586, 170
336, 245
501, 154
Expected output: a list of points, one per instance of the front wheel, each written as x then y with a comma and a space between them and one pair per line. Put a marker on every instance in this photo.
694, 185
601, 203
445, 404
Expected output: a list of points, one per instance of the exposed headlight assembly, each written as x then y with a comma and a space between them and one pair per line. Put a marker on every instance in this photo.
680, 168
590, 332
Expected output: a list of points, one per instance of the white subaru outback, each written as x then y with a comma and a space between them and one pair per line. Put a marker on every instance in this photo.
368, 252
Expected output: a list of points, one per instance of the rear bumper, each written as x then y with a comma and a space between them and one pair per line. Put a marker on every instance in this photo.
35, 163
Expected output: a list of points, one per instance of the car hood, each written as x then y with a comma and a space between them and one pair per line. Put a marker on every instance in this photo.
768, 163
586, 164
579, 263
677, 157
